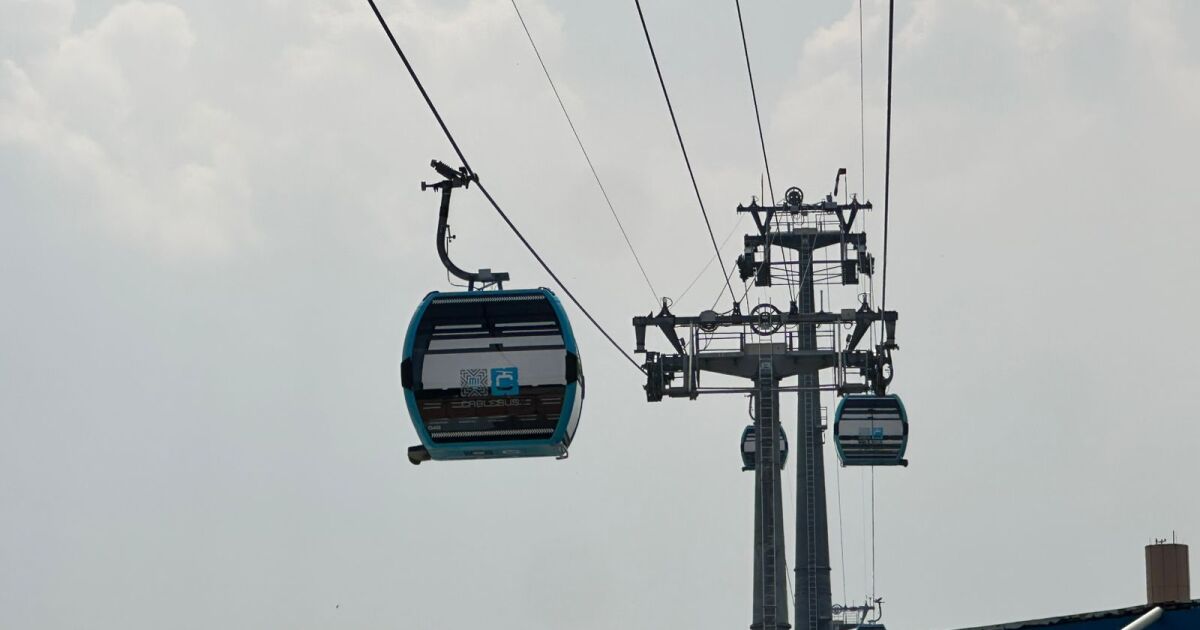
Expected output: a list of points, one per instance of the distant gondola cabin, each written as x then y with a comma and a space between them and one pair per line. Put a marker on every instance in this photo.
871, 430
750, 446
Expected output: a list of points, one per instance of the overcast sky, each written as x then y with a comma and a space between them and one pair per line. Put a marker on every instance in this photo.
212, 237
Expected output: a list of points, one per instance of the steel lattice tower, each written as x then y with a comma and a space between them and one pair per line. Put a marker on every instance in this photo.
766, 346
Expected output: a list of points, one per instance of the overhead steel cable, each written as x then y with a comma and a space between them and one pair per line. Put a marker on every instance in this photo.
872, 532
887, 180
762, 141
722, 293
710, 262
462, 158
862, 148
586, 157
887, 160
862, 108
841, 532
682, 148
754, 95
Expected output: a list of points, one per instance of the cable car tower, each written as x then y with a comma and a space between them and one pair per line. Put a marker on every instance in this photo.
768, 345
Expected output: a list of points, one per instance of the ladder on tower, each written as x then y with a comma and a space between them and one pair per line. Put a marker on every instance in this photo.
810, 439
810, 435
767, 452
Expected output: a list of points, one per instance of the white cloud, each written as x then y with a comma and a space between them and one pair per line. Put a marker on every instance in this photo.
33, 25
111, 110
1165, 55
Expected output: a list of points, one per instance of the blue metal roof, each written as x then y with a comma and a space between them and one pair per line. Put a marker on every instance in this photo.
1183, 616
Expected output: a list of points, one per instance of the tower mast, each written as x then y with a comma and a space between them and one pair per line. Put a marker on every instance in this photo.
766, 346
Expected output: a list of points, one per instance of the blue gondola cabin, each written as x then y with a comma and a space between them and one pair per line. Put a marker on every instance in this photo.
491, 374
871, 431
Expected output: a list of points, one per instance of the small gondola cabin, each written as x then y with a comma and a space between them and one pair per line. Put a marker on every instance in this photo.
871, 430
750, 446
491, 374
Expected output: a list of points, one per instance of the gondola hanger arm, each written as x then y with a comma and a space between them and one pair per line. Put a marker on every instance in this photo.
458, 178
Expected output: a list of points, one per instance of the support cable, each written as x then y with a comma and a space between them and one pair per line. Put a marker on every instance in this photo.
754, 95
841, 532
679, 136
872, 533
747, 284
862, 139
862, 107
586, 157
887, 163
862, 496
710, 262
720, 295
463, 159
761, 138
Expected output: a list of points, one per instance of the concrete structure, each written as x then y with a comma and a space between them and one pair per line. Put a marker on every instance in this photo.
1167, 577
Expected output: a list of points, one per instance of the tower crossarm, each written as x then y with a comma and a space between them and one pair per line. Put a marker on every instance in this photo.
805, 237
846, 213
862, 319
677, 374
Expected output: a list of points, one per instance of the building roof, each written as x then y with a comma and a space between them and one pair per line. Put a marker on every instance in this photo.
1185, 612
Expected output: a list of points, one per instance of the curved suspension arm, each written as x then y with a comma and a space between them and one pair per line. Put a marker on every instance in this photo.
456, 179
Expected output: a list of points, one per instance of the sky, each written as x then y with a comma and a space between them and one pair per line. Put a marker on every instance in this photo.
212, 237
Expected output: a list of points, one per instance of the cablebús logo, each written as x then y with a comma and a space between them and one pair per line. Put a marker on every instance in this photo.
505, 382
479, 382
